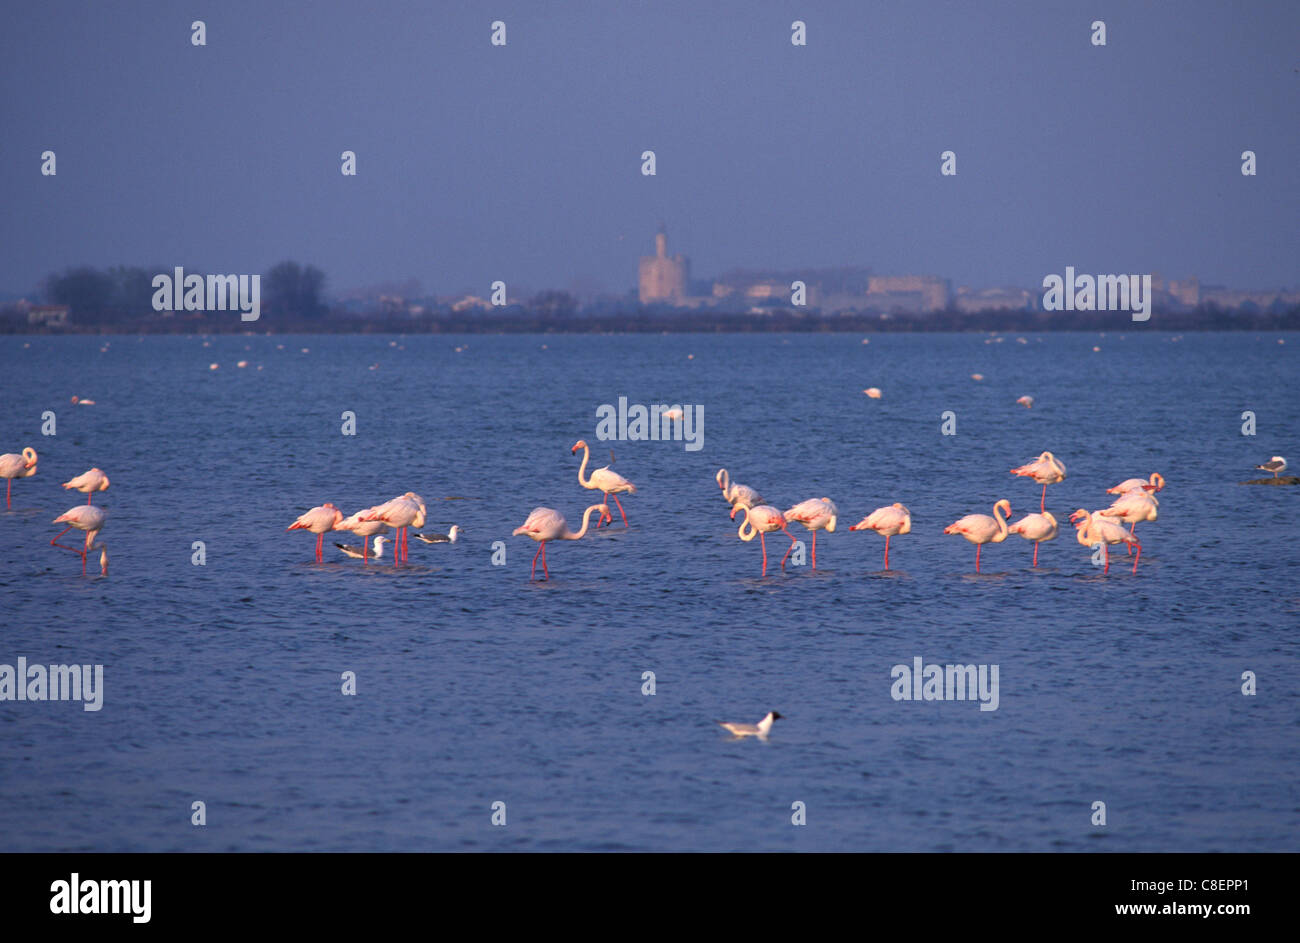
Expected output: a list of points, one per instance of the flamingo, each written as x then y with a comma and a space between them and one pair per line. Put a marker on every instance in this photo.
1026, 401
1131, 507
16, 466
405, 511
1036, 527
88, 518
545, 524
1155, 483
980, 529
736, 493
318, 520
363, 529
1276, 465
815, 514
889, 522
759, 729
1047, 469
363, 551
1093, 529
88, 483
604, 480
762, 520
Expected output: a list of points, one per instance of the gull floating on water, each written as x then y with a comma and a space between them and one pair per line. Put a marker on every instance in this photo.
447, 538
759, 729
359, 553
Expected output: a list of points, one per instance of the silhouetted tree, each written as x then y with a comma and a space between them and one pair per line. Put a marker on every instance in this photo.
295, 290
87, 291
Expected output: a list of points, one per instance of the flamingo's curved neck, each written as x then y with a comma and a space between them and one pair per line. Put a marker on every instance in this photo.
1002, 521
726, 484
586, 455
746, 523
586, 522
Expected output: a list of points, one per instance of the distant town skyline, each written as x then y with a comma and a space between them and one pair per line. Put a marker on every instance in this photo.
523, 162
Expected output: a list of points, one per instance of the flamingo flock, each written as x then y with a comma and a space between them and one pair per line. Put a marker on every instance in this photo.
84, 517
399, 515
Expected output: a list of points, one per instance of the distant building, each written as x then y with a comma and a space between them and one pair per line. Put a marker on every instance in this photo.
908, 292
663, 280
49, 315
992, 299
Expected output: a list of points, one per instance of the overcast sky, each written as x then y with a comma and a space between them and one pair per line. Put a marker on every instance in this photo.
523, 162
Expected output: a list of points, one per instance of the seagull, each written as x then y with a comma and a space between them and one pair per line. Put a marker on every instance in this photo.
759, 729
447, 538
359, 553
1276, 465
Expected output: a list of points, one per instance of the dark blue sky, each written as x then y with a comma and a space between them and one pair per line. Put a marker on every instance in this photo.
523, 162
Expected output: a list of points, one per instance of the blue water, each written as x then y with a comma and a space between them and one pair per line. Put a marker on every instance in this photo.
475, 685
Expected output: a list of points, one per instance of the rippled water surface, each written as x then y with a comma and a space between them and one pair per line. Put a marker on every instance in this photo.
222, 682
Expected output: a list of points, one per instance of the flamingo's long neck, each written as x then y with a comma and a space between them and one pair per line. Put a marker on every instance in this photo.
746, 523
586, 455
586, 522
726, 485
1002, 522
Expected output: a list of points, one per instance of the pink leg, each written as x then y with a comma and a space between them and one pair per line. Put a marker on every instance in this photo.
791, 547
533, 574
1042, 505
814, 550
762, 539
320, 542
8, 493
1137, 558
55, 541
1132, 527
887, 536
544, 569
1105, 549
620, 511
604, 499
1035, 553
978, 548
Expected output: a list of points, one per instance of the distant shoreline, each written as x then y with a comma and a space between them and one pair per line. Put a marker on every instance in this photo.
780, 321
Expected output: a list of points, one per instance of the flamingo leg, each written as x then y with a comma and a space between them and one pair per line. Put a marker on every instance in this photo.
1132, 527
89, 495
1105, 549
1042, 505
1035, 553
544, 569
791, 547
320, 540
887, 536
762, 539
8, 493
604, 499
1137, 558
620, 510
814, 555
978, 548
533, 573
55, 541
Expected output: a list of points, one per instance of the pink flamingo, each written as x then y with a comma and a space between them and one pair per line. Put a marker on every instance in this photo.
1093, 529
404, 511
980, 529
888, 522
545, 524
762, 520
88, 518
88, 483
736, 493
16, 466
318, 520
1047, 469
603, 480
1036, 527
815, 514
363, 529
1155, 483
1132, 507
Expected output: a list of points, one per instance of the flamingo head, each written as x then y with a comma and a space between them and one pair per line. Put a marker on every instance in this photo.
1005, 505
1079, 515
580, 444
722, 473
739, 505
29, 457
1158, 480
